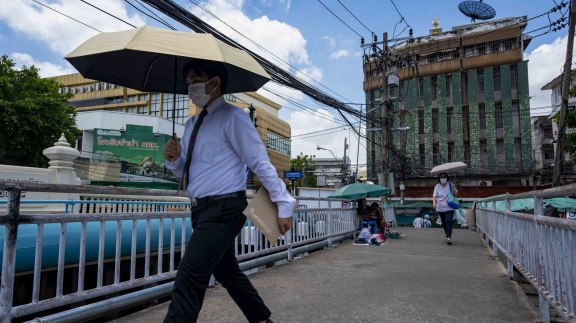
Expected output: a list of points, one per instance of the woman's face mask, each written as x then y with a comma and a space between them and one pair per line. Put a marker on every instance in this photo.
443, 180
197, 93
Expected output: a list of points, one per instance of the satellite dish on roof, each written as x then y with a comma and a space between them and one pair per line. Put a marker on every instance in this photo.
477, 10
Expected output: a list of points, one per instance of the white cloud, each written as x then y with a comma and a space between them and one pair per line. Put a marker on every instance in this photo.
46, 69
284, 40
545, 63
340, 54
59, 33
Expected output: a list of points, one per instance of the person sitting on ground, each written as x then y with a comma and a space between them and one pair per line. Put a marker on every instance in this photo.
379, 215
365, 235
417, 222
426, 223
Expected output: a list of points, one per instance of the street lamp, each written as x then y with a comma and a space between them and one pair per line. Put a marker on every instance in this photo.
335, 158
250, 178
322, 148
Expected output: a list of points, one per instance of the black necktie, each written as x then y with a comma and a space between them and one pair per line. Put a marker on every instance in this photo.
186, 177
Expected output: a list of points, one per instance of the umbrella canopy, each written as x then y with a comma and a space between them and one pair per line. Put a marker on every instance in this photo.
524, 204
562, 202
151, 60
447, 167
358, 191
418, 204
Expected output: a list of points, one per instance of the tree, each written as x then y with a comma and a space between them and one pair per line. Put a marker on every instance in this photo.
305, 164
33, 115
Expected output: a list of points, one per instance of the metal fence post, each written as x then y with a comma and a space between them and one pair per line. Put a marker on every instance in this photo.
329, 220
510, 267
288, 238
544, 309
9, 257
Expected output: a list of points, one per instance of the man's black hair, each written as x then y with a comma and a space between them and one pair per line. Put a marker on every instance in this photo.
210, 68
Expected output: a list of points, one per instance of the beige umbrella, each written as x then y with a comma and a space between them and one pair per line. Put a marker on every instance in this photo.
151, 59
446, 167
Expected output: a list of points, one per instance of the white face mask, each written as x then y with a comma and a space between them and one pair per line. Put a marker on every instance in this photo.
197, 93
443, 181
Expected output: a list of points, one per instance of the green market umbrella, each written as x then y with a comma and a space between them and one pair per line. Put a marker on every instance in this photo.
418, 204
561, 202
358, 191
515, 204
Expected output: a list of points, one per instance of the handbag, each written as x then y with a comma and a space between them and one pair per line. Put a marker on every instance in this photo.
452, 200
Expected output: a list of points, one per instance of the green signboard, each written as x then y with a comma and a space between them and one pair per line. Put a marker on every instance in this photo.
138, 149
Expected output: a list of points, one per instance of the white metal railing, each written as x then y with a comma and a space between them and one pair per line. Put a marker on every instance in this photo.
103, 253
542, 248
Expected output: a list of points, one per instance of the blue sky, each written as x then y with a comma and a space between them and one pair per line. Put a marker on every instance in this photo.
301, 32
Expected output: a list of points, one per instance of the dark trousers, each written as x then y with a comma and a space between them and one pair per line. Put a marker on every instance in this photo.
447, 218
211, 251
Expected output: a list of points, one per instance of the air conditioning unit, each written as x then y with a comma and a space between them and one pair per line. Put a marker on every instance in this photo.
485, 183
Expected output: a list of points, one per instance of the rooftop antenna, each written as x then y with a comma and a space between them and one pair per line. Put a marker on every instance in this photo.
477, 10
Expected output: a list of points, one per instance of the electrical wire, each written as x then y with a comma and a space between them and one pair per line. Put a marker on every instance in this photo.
342, 21
152, 12
153, 18
65, 15
320, 131
318, 135
109, 14
303, 108
401, 16
353, 15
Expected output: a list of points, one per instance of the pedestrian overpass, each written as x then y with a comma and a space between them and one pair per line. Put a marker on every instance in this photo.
119, 248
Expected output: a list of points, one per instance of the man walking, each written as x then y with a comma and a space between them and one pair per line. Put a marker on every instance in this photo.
211, 159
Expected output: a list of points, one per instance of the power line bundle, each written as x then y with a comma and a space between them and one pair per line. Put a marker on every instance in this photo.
279, 75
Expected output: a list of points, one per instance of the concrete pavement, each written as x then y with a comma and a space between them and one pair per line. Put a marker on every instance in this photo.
414, 279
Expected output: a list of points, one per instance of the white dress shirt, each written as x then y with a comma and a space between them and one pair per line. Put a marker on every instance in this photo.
226, 142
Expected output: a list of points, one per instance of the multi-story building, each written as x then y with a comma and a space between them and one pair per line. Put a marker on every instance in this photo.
556, 100
464, 96
332, 172
132, 115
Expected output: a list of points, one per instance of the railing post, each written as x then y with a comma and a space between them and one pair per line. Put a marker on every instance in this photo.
510, 267
544, 309
494, 249
538, 206
9, 256
288, 238
329, 220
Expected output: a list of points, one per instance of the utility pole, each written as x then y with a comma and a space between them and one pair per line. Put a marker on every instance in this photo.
559, 155
384, 115
344, 167
358, 145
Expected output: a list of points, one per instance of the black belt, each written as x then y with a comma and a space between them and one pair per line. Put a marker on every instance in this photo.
208, 199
